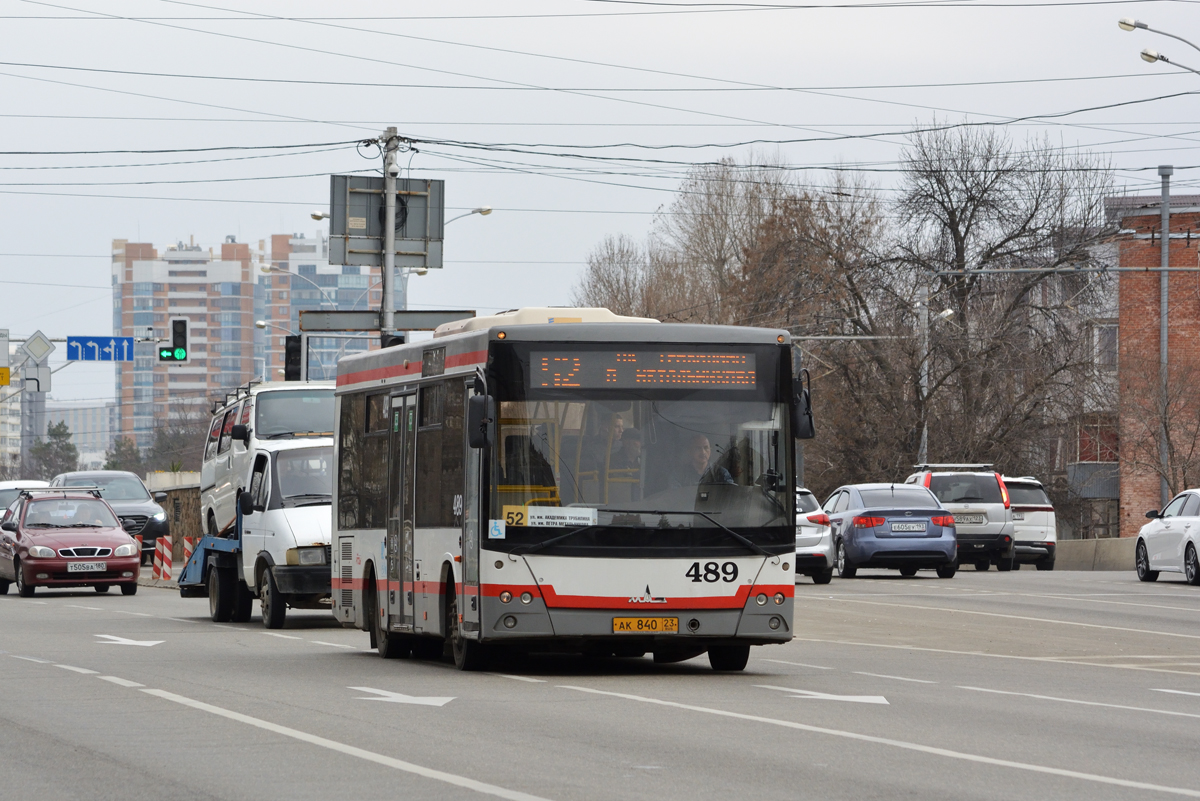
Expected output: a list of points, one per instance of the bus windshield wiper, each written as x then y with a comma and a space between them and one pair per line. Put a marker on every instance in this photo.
753, 546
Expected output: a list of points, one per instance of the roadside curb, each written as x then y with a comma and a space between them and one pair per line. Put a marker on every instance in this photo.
144, 581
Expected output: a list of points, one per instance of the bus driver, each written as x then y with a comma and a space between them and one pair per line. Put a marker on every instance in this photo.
695, 469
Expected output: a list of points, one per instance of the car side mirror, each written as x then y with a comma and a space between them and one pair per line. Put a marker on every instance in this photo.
246, 503
129, 524
1153, 514
481, 421
9, 525
241, 432
160, 496
802, 416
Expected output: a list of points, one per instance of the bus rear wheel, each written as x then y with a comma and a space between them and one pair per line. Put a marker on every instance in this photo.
729, 657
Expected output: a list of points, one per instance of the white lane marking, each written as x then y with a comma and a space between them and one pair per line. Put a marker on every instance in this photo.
518, 678
349, 750
282, 636
139, 614
115, 640
31, 659
797, 664
1174, 692
332, 644
897, 678
120, 681
1084, 703
179, 620
925, 749
400, 698
1016, 617
77, 606
816, 696
85, 671
1058, 660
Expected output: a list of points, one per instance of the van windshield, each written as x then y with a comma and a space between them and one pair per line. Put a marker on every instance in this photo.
305, 476
294, 412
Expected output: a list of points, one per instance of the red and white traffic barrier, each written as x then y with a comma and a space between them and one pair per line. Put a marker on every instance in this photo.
167, 548
138, 538
189, 547
156, 573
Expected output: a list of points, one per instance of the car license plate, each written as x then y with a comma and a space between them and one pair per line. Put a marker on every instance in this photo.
1018, 515
87, 567
908, 526
645, 625
969, 520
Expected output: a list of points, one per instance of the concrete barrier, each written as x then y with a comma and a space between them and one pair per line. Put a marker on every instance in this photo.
1105, 554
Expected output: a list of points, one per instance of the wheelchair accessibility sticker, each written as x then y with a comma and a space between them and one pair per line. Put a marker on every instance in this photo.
496, 529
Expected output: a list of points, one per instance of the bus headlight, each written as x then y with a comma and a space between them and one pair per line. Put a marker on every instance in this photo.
779, 597
526, 598
761, 600
505, 597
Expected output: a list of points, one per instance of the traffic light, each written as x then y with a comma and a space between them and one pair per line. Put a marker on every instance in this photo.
390, 340
176, 348
292, 354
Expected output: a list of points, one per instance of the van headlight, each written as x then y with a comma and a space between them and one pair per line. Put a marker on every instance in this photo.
41, 552
128, 549
306, 556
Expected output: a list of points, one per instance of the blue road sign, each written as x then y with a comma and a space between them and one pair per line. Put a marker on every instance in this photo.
99, 349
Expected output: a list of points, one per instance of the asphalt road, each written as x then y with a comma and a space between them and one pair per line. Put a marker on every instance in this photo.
997, 686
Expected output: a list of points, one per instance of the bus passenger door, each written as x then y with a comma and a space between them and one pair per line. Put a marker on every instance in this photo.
469, 501
400, 503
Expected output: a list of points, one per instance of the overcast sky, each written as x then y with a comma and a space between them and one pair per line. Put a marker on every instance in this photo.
549, 75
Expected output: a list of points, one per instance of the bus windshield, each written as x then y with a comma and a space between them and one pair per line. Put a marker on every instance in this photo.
293, 412
666, 439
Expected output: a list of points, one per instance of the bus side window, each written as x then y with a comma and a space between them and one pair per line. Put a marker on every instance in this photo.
431, 402
351, 428
214, 433
372, 493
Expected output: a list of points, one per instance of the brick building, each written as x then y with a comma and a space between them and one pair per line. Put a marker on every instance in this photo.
1138, 417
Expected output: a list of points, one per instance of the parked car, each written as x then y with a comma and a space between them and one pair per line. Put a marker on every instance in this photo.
1169, 541
9, 490
62, 539
1035, 532
814, 543
129, 498
976, 496
891, 526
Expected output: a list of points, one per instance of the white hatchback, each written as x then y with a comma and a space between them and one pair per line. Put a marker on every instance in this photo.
814, 539
1035, 530
1168, 542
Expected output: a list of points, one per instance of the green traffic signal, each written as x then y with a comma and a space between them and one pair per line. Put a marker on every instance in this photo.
180, 354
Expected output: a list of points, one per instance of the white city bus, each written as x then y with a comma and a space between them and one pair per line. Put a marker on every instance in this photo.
567, 479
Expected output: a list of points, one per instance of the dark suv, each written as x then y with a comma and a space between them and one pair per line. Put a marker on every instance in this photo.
139, 512
975, 494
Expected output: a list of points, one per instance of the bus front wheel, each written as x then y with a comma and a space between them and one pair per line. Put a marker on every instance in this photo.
468, 654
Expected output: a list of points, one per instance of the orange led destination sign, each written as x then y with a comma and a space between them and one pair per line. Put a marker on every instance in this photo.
629, 369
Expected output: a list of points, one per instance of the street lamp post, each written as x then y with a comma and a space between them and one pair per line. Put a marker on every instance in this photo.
1151, 55
271, 268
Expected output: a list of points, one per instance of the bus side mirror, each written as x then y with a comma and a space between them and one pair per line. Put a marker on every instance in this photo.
246, 503
481, 420
802, 416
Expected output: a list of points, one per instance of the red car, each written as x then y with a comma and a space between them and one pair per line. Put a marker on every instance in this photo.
65, 538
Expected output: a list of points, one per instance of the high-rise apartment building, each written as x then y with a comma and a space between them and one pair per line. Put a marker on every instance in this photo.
217, 294
91, 425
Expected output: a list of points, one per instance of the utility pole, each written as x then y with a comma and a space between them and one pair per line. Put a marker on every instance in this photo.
923, 312
387, 310
1164, 170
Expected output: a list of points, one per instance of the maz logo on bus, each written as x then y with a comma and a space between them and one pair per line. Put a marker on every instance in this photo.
712, 572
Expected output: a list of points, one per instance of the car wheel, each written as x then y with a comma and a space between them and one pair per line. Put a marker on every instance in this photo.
908, 572
823, 576
220, 594
982, 566
947, 571
129, 589
212, 525
468, 654
844, 568
23, 589
1141, 561
1004, 564
274, 610
4, 586
102, 587
729, 657
1045, 564
1191, 568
